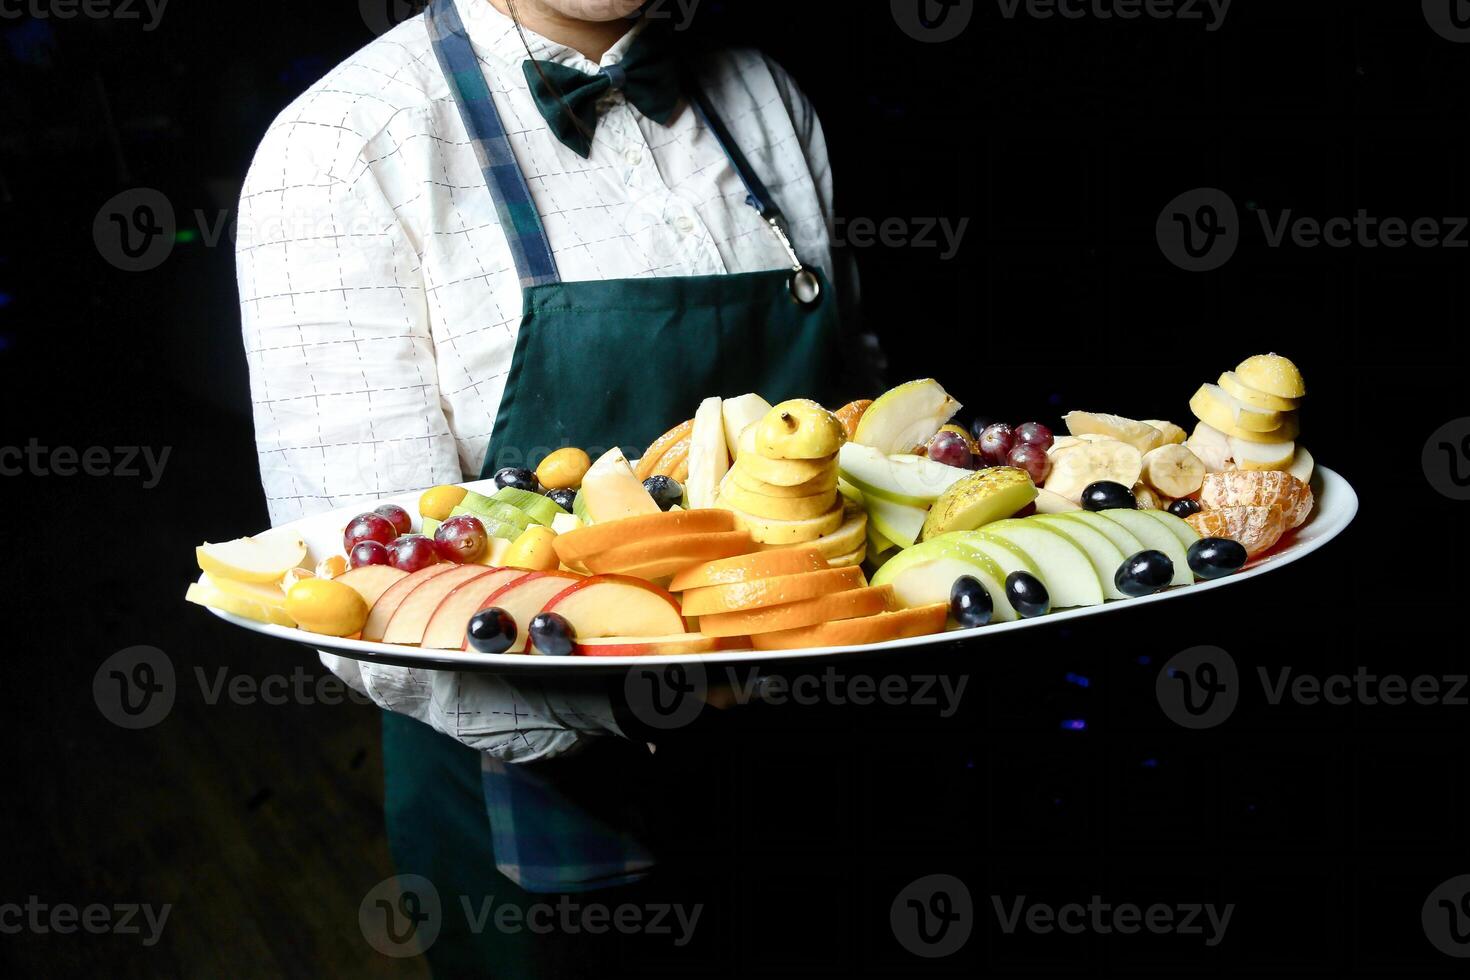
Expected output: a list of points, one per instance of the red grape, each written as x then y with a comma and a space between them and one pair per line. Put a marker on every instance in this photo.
1027, 511
1034, 461
413, 552
397, 516
461, 539
368, 553
950, 448
368, 527
996, 442
1035, 434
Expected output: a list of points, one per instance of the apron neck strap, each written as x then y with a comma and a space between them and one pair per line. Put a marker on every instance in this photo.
529, 245
526, 235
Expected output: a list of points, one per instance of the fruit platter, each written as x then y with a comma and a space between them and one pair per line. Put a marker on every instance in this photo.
755, 531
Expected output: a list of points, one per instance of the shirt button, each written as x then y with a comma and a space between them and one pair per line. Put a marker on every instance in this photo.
634, 155
684, 224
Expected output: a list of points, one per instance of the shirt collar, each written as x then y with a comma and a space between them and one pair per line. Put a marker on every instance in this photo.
495, 36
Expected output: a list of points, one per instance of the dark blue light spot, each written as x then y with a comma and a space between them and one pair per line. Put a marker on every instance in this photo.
1077, 679
1074, 725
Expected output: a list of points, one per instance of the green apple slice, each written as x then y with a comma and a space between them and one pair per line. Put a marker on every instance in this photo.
429, 527
905, 417
924, 575
1126, 541
1106, 557
542, 510
898, 523
912, 480
1065, 568
1155, 536
1003, 553
1180, 529
579, 509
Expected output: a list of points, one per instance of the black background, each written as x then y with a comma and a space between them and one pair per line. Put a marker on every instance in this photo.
1061, 141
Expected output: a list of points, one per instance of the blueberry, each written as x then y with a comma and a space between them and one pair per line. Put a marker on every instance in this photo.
519, 478
1184, 507
565, 499
1027, 595
552, 635
969, 603
1144, 574
492, 631
1216, 557
1107, 495
664, 490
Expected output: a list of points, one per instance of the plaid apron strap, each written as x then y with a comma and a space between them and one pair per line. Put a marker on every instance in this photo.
518, 216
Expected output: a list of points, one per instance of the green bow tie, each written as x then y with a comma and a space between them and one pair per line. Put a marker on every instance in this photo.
648, 76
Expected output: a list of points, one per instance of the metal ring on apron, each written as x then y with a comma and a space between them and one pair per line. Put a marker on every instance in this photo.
806, 288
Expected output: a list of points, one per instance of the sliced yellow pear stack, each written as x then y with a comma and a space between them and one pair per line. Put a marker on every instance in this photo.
782, 486
1249, 419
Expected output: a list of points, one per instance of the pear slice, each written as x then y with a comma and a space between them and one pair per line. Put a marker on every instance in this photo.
1262, 455
1273, 374
1225, 412
899, 523
709, 458
737, 413
905, 417
260, 559
1256, 399
980, 499
1302, 465
903, 479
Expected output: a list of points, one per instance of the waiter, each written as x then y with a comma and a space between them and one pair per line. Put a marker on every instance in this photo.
506, 226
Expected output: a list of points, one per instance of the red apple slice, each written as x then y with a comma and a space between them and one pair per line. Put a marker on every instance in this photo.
371, 581
523, 599
446, 629
616, 605
382, 611
412, 618
658, 646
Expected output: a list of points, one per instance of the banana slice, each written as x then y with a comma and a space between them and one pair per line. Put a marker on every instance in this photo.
1063, 442
1173, 434
1173, 471
1074, 468
1139, 435
1212, 447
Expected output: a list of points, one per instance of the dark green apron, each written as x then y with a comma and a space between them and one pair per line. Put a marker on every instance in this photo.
596, 365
